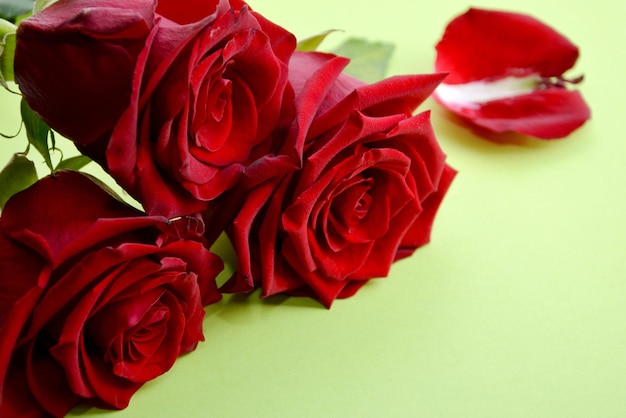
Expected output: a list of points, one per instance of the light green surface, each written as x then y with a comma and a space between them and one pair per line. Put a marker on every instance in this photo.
517, 308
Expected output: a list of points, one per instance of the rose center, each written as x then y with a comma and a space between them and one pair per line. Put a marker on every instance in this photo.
212, 116
142, 340
130, 350
352, 205
133, 332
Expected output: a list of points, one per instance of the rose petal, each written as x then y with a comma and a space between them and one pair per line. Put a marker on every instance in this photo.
283, 280
106, 37
74, 229
20, 289
239, 234
194, 10
398, 95
326, 291
47, 384
419, 233
489, 44
200, 260
547, 114
17, 399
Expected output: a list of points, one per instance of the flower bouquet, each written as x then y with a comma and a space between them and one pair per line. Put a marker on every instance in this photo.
215, 122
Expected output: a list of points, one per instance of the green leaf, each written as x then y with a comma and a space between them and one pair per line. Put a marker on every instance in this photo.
37, 132
10, 9
311, 43
73, 163
42, 4
368, 60
17, 175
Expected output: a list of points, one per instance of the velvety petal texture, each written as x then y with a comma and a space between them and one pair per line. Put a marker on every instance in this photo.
193, 11
74, 62
102, 300
371, 180
506, 73
204, 107
174, 102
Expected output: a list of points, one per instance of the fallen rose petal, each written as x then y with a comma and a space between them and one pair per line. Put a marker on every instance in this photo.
506, 74
487, 44
546, 114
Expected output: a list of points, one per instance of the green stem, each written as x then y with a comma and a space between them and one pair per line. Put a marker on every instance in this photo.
7, 51
6, 27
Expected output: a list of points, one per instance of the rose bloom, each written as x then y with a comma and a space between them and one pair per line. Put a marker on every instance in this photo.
194, 106
372, 179
95, 297
201, 113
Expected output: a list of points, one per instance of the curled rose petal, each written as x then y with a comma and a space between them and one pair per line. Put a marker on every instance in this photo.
506, 73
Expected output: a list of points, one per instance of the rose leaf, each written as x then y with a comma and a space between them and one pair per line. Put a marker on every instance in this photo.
313, 42
10, 9
42, 4
37, 132
368, 60
17, 175
73, 163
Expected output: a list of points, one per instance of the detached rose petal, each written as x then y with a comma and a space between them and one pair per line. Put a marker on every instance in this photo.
506, 73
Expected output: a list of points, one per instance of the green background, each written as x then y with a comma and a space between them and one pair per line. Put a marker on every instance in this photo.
517, 308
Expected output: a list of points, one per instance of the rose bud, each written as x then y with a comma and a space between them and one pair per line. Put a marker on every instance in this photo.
507, 74
372, 179
96, 298
74, 62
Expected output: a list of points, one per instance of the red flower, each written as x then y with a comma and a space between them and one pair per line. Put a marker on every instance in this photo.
506, 74
174, 102
206, 97
95, 297
371, 182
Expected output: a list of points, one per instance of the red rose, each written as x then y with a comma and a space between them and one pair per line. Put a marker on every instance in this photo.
74, 62
95, 298
203, 110
371, 182
176, 103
